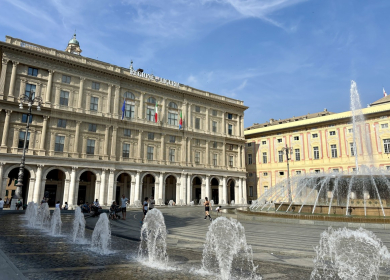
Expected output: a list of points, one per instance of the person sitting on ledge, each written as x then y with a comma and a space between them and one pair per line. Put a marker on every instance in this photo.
66, 206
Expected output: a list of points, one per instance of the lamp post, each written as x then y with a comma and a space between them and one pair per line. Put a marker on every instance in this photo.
288, 151
28, 99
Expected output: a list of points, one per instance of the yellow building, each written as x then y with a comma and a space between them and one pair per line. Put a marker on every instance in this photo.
320, 142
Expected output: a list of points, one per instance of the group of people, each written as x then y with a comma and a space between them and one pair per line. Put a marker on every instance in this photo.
92, 208
115, 209
4, 204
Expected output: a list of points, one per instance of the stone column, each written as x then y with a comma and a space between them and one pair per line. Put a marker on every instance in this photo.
189, 188
184, 114
4, 139
49, 86
31, 145
244, 191
113, 143
161, 188
105, 149
72, 188
102, 192
162, 157
116, 100
42, 151
189, 162
140, 145
80, 97
183, 189
207, 128
15, 139
109, 97
39, 89
242, 157
224, 190
137, 186
57, 97
52, 142
3, 74
38, 182
189, 120
183, 150
162, 118
132, 189
65, 197
22, 89
97, 189
142, 106
1, 178
242, 126
207, 153
87, 107
224, 155
208, 194
84, 147
111, 187
11, 92
30, 191
223, 124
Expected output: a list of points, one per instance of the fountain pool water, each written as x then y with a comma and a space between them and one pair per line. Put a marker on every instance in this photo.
191, 203
232, 203
101, 236
78, 225
43, 216
171, 203
56, 223
349, 254
153, 247
32, 213
226, 252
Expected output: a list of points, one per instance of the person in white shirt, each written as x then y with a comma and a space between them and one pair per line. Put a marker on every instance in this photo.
219, 209
145, 208
1, 204
96, 203
58, 205
124, 200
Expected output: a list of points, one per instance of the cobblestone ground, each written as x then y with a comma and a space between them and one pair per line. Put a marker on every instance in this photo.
41, 256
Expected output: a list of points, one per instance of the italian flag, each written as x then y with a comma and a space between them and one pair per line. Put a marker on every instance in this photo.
181, 120
155, 114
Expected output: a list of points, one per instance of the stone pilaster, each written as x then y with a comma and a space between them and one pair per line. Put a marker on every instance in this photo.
3, 148
11, 92
80, 97
49, 86
42, 143
4, 63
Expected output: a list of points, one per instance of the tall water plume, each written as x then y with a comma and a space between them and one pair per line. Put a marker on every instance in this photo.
43, 216
32, 213
56, 223
101, 236
226, 252
153, 247
78, 225
349, 254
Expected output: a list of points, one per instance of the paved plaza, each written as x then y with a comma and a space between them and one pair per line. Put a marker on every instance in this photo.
281, 251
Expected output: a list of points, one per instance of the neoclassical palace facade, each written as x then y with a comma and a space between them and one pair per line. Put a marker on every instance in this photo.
80, 148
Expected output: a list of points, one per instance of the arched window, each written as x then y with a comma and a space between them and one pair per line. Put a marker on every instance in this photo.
172, 105
151, 100
129, 95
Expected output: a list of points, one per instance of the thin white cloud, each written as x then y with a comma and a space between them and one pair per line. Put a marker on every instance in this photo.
32, 11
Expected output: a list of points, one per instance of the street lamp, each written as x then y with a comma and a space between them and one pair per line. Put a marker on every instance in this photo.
28, 99
288, 151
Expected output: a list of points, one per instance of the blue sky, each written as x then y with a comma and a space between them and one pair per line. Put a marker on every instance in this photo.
283, 58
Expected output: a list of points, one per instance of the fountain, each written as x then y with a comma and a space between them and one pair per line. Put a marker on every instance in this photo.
201, 201
56, 223
101, 236
232, 203
349, 254
43, 216
152, 249
78, 225
137, 204
171, 203
191, 203
32, 213
365, 192
226, 253
212, 203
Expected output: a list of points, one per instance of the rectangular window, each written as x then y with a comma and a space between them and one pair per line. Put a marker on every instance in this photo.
90, 147
171, 155
197, 123
172, 119
230, 129
231, 161
59, 146
249, 144
197, 142
314, 135
24, 118
231, 147
298, 172
316, 153
296, 138
281, 173
127, 132
32, 71
92, 127
384, 125
129, 111
215, 145
334, 151
264, 142
150, 135
317, 171
66, 79
95, 85
332, 133
94, 103
265, 158
265, 174
172, 139
150, 153
230, 116
30, 90
215, 159
335, 170
215, 113
126, 150
197, 109
150, 114
280, 156
214, 126
386, 144
297, 155
64, 98
197, 157
350, 130
22, 134
61, 123
250, 191
352, 147
354, 169
249, 158
280, 140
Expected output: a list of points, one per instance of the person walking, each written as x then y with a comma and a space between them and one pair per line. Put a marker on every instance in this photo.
1, 204
145, 208
124, 200
207, 208
151, 203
